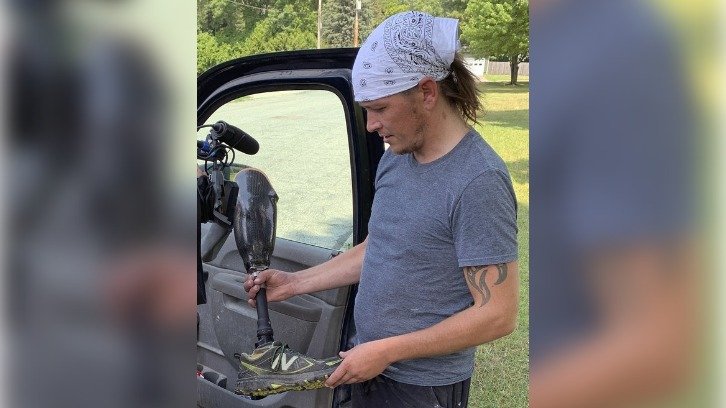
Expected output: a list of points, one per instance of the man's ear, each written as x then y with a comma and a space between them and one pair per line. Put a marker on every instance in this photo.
430, 91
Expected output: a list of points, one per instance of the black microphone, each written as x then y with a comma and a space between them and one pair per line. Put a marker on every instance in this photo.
235, 138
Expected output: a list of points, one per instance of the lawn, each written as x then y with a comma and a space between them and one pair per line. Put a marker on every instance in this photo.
501, 374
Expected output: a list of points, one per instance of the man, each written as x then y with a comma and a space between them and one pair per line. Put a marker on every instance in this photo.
437, 273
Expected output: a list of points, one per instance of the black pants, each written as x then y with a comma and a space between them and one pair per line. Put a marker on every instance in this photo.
383, 392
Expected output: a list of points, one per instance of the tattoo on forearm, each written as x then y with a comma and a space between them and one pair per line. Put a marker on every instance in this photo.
480, 284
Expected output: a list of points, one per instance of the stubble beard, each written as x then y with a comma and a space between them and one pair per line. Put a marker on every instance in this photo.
417, 141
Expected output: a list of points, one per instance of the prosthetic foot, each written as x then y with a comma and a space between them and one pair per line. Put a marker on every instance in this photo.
274, 368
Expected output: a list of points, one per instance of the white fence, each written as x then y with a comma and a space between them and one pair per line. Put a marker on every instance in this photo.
480, 67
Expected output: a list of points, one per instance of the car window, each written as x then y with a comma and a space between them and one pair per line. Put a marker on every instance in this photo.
304, 152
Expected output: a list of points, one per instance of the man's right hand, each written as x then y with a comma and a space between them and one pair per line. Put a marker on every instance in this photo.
280, 285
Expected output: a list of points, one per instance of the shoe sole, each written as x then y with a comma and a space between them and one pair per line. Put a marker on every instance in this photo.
264, 386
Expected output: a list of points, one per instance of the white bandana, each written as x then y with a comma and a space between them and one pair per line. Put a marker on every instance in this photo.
401, 51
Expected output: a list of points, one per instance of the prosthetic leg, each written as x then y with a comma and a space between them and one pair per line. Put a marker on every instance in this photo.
255, 221
272, 367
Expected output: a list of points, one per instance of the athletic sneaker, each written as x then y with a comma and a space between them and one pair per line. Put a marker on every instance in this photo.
273, 368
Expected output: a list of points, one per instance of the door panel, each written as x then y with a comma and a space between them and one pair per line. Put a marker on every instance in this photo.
289, 256
228, 324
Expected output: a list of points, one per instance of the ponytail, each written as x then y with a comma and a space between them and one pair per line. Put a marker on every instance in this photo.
460, 89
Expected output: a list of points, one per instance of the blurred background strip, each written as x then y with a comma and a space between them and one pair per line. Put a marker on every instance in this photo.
99, 272
623, 102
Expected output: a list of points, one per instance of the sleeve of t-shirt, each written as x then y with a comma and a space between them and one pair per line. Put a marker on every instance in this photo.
484, 221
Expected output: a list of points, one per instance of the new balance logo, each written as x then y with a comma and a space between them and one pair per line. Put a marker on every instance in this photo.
285, 364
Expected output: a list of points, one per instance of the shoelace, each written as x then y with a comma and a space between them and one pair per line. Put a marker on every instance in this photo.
283, 349
280, 350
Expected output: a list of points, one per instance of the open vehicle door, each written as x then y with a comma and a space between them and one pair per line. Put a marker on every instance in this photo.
321, 162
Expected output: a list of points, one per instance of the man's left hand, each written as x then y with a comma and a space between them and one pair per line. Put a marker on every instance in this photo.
360, 363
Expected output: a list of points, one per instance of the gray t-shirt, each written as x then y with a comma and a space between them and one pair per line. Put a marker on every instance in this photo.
428, 222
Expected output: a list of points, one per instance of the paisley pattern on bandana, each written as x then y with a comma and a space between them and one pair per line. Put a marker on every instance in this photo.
408, 41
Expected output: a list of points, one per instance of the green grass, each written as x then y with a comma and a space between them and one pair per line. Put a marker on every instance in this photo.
523, 79
501, 374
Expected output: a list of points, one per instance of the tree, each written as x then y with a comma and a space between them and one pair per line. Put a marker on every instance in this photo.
391, 7
498, 27
290, 28
210, 51
454, 8
338, 18
228, 29
215, 16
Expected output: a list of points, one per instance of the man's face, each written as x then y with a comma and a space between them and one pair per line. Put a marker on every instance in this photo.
398, 120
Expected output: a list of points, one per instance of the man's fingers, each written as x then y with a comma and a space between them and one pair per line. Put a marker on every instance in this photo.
336, 377
262, 277
249, 283
347, 378
338, 382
